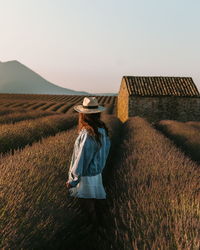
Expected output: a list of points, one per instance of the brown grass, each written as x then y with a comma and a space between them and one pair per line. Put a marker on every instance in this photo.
194, 124
34, 203
152, 186
21, 116
50, 98
65, 108
13, 136
184, 135
154, 194
46, 106
5, 111
36, 211
60, 104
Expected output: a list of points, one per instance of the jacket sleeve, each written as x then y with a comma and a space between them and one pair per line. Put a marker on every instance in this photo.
79, 159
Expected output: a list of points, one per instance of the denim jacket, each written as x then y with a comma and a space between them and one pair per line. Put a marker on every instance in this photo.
88, 157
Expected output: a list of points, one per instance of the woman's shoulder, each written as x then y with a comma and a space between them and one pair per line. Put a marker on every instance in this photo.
83, 137
84, 133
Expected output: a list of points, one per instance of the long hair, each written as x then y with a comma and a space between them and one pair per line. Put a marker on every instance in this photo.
91, 122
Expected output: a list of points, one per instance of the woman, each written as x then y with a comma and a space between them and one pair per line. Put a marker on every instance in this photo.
89, 156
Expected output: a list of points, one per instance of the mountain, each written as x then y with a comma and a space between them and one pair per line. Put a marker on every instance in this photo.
16, 78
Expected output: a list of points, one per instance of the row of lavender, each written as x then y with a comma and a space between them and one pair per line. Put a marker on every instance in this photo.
152, 188
34, 205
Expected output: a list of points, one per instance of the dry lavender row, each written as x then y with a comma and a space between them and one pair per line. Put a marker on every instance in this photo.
185, 135
35, 209
21, 116
195, 124
64, 107
14, 136
4, 110
153, 193
34, 204
50, 97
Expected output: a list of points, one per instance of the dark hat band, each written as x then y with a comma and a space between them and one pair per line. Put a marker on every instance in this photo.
90, 107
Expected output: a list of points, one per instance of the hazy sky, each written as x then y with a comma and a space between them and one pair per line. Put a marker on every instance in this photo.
90, 44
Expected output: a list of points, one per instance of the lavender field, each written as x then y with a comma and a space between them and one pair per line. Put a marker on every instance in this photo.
152, 179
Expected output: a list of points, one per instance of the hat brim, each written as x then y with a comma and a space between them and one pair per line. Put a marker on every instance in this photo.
80, 109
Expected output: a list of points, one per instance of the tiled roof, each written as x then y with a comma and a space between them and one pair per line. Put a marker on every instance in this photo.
161, 86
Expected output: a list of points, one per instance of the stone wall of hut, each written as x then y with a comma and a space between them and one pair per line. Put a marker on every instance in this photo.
122, 102
159, 108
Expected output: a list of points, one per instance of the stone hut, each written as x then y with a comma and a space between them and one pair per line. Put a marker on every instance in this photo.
158, 97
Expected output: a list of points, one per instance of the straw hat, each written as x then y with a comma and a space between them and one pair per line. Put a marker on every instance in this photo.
90, 105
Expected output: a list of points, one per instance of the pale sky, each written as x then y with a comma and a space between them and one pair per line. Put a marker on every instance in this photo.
88, 45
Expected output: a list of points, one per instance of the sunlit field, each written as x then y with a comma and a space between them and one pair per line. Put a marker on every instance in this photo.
151, 179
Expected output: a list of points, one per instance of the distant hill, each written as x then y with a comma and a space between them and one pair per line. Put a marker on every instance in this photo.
16, 78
